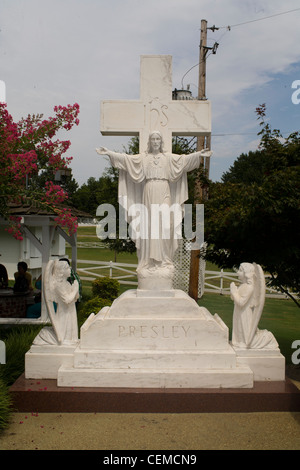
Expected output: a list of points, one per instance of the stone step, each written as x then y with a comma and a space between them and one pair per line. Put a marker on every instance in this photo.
241, 377
44, 396
155, 359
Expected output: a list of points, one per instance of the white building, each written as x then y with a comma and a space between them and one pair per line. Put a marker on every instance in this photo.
42, 240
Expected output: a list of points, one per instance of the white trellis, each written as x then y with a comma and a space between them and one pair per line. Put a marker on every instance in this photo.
182, 262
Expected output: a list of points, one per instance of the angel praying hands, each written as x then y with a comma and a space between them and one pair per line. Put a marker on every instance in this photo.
60, 296
249, 300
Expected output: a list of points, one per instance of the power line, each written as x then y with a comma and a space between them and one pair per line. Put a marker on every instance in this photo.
193, 68
247, 133
187, 73
241, 133
229, 27
258, 19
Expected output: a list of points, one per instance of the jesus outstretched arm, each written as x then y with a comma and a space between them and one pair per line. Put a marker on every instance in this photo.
132, 164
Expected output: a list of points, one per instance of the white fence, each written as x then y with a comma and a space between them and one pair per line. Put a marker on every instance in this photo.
213, 281
217, 282
91, 245
222, 283
110, 268
209, 281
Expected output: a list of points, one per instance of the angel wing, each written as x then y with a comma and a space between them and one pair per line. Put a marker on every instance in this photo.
258, 300
48, 295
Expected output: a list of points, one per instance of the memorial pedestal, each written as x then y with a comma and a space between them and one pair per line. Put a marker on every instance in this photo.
150, 339
43, 362
266, 364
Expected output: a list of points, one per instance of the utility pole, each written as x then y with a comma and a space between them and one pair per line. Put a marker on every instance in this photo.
202, 142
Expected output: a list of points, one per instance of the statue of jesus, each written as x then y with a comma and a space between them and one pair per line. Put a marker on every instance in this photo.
150, 179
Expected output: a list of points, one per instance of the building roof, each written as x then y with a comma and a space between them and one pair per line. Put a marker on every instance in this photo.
31, 208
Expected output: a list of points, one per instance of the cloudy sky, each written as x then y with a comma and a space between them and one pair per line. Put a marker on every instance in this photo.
85, 51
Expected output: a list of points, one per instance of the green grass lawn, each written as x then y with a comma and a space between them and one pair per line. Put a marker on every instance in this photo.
86, 230
103, 254
280, 316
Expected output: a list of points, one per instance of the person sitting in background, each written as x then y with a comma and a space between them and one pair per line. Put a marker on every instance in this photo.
23, 282
34, 310
3, 277
38, 292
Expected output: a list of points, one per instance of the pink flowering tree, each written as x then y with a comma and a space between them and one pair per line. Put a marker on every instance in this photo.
28, 148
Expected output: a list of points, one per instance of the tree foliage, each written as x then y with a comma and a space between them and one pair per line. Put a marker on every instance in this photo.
103, 190
29, 153
97, 191
254, 215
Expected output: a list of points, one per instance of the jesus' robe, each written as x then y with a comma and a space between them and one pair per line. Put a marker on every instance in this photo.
154, 179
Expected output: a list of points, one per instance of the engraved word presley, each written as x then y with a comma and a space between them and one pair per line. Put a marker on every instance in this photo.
154, 331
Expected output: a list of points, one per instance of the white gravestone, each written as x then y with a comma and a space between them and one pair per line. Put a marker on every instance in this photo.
154, 336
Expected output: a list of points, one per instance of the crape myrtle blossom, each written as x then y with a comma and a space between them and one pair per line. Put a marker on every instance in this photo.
26, 148
22, 165
54, 193
15, 227
65, 219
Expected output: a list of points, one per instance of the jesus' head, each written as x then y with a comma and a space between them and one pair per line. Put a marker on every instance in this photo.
155, 142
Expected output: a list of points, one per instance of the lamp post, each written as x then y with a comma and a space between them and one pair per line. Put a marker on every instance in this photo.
62, 175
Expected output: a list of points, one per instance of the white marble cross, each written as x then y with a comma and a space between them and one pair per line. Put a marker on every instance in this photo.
155, 110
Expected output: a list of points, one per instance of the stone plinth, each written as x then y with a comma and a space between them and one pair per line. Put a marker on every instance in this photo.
43, 362
266, 364
154, 340
44, 396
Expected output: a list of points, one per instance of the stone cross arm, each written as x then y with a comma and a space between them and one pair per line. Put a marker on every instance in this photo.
156, 110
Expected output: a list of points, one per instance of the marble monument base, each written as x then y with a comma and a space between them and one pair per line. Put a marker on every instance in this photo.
266, 364
154, 339
43, 362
